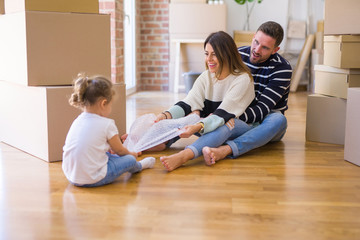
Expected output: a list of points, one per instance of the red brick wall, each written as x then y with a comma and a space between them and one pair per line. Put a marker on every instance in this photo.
152, 26
154, 45
114, 8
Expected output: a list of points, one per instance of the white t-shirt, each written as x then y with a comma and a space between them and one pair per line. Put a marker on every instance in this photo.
84, 156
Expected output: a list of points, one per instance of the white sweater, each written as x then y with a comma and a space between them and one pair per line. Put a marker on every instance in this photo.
223, 99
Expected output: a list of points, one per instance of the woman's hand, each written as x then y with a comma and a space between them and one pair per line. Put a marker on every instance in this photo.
190, 130
162, 116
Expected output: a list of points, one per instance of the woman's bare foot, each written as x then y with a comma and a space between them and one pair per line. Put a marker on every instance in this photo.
211, 155
176, 160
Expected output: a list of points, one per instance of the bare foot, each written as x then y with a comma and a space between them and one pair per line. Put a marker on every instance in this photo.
211, 155
176, 160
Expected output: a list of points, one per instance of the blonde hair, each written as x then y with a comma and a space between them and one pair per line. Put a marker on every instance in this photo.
87, 90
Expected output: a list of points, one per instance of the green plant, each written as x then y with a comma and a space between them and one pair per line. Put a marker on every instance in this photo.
241, 2
248, 11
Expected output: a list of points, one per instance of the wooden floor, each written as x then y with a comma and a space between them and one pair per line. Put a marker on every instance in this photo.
288, 190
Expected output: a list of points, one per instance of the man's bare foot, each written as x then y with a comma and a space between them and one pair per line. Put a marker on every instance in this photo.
176, 160
211, 155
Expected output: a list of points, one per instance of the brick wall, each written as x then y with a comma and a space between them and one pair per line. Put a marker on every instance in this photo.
152, 42
154, 45
114, 8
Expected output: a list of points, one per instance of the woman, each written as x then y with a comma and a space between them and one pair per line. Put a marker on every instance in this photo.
220, 93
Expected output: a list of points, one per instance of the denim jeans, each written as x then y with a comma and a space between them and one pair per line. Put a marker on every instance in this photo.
243, 137
116, 166
271, 129
217, 137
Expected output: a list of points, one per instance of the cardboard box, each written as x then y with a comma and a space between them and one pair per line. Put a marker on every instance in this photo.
243, 38
341, 17
352, 127
342, 51
51, 48
317, 57
335, 81
325, 119
37, 119
80, 6
2, 7
188, 20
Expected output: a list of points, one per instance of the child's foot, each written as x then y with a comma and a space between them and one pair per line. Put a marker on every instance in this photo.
147, 162
211, 155
176, 160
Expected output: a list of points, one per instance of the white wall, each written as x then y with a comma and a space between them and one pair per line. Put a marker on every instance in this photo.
274, 10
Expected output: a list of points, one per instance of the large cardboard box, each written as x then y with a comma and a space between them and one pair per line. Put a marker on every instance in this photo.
352, 127
325, 119
36, 119
189, 20
342, 51
335, 82
341, 17
51, 48
2, 8
81, 6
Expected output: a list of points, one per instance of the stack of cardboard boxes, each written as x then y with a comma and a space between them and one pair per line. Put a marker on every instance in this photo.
44, 44
327, 112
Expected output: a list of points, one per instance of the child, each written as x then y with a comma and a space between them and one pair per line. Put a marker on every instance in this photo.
87, 161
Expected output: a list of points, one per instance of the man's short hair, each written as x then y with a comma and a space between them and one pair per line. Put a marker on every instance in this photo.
274, 30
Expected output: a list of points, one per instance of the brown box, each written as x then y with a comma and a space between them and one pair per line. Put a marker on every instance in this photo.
190, 20
325, 119
341, 17
335, 82
243, 38
51, 48
342, 51
36, 119
352, 127
2, 8
81, 6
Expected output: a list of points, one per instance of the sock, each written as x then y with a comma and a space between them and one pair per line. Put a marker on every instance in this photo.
147, 162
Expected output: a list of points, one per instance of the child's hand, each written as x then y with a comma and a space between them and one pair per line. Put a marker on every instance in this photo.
111, 151
123, 137
135, 154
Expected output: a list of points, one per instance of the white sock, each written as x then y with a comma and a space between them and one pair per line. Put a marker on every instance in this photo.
147, 162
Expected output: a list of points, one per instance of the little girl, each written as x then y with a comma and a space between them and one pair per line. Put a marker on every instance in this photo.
87, 161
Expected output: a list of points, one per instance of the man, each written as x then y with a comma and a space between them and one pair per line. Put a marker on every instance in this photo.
265, 115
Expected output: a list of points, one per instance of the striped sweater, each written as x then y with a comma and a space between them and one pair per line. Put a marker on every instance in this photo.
272, 86
217, 100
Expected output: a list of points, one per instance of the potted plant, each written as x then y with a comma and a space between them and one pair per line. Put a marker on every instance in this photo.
248, 11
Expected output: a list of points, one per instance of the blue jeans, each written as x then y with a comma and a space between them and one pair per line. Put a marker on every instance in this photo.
218, 137
271, 129
243, 137
116, 166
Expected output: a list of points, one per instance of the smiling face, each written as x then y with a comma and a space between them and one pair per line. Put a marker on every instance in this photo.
213, 63
262, 47
211, 59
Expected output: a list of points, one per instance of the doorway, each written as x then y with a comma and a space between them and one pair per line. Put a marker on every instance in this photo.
129, 47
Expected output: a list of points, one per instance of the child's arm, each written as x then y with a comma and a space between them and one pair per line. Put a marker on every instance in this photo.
118, 147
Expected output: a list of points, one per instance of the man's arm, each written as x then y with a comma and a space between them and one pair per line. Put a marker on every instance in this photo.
277, 87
